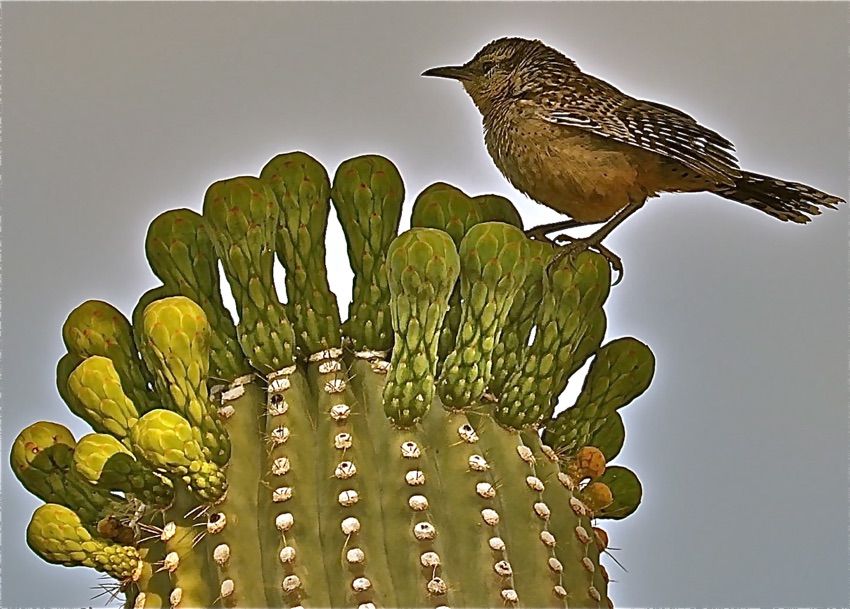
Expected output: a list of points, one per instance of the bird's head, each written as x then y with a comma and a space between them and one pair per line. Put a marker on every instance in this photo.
505, 68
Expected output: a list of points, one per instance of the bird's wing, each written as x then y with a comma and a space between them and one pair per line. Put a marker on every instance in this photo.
591, 104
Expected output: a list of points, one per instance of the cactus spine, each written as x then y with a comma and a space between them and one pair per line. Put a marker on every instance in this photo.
293, 459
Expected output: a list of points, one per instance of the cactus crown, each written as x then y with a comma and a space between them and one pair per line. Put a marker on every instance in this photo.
392, 458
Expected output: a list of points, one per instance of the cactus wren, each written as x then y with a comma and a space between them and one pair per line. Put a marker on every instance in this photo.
582, 147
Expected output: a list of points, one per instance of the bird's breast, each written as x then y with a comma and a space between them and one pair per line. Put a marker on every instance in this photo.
570, 170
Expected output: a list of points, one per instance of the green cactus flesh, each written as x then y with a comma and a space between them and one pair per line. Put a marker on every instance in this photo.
293, 459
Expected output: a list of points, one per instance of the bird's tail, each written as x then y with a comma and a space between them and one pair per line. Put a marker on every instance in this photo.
788, 201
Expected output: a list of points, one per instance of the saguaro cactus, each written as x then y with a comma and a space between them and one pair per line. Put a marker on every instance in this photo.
407, 456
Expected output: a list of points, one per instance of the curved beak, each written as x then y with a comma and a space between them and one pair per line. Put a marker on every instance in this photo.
453, 72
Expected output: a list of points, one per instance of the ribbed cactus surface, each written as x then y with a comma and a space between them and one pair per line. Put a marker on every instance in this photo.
407, 456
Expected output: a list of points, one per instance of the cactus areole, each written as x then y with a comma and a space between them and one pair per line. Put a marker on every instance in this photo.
405, 455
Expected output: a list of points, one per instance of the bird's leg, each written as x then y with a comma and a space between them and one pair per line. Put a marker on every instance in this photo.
540, 233
594, 241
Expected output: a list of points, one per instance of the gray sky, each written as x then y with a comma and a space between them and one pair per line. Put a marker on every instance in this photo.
113, 113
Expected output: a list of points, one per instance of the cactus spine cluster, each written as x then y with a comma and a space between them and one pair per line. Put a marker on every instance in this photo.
408, 456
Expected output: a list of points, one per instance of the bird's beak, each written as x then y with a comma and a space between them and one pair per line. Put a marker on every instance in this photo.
453, 72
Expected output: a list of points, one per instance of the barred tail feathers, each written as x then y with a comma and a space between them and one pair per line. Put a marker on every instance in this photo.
787, 201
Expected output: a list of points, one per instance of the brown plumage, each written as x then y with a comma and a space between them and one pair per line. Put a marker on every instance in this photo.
582, 147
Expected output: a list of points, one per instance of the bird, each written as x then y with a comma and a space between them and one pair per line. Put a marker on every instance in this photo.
579, 145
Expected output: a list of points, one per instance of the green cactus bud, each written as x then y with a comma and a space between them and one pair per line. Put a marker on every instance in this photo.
176, 349
40, 450
367, 195
620, 372
423, 266
97, 328
493, 263
610, 436
241, 215
445, 207
165, 440
42, 457
302, 188
571, 324
56, 534
496, 208
625, 489
508, 353
181, 254
97, 390
104, 462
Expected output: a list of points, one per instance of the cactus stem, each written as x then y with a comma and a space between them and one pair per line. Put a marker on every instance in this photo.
192, 575
150, 588
453, 440
236, 561
341, 496
288, 502
537, 486
519, 472
487, 490
400, 452
565, 527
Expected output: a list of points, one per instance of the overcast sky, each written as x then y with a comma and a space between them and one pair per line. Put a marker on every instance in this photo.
113, 113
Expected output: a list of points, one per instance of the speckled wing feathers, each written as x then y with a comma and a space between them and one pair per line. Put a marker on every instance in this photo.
582, 101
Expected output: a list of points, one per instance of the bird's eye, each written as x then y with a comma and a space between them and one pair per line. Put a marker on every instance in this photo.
487, 66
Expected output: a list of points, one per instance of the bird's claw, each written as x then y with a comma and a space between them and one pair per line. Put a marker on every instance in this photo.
574, 245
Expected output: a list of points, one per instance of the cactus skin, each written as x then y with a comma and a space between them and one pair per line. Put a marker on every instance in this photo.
392, 460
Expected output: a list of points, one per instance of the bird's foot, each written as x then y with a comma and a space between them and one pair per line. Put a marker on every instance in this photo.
539, 233
570, 245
